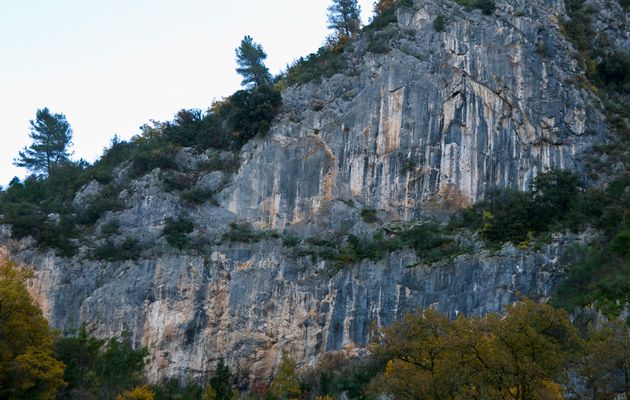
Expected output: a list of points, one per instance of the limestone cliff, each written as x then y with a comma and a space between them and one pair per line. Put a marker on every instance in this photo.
429, 125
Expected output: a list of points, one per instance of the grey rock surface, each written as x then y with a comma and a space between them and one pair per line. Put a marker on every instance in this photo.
434, 123
427, 127
250, 302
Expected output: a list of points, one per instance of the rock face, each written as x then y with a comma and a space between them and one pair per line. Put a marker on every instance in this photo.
250, 302
430, 125
436, 121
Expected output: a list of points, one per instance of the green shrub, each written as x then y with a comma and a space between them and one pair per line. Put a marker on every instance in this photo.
621, 243
378, 42
323, 64
595, 275
557, 200
26, 207
242, 232
173, 390
291, 240
199, 196
176, 231
578, 27
110, 228
614, 71
129, 249
148, 161
381, 20
250, 112
439, 23
369, 215
486, 6
173, 180
106, 200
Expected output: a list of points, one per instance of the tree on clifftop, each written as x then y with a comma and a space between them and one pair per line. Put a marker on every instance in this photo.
249, 57
51, 135
344, 17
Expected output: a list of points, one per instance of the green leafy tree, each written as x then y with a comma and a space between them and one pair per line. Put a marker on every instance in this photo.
81, 356
344, 17
251, 112
120, 366
28, 368
221, 382
249, 57
606, 354
51, 135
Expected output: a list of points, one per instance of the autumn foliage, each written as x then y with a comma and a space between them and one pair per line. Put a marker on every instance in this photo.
28, 368
525, 353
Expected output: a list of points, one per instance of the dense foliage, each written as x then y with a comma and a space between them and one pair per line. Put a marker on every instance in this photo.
527, 353
99, 368
486, 6
558, 202
430, 242
42, 206
176, 231
28, 366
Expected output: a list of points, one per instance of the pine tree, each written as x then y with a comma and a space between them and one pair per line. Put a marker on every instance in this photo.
344, 16
51, 135
249, 57
221, 382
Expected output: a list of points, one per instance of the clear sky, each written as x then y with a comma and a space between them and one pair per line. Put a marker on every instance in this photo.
111, 66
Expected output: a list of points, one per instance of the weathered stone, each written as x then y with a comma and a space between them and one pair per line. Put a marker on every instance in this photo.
212, 181
87, 191
427, 127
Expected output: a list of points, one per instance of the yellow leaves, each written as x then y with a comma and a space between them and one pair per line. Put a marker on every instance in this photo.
40, 372
209, 394
518, 355
138, 393
285, 384
28, 368
487, 218
552, 390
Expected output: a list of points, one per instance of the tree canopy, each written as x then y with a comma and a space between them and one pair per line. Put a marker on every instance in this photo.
285, 385
344, 17
28, 368
51, 135
521, 355
221, 381
249, 57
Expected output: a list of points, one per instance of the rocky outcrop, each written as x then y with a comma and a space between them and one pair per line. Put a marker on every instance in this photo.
433, 123
428, 126
250, 302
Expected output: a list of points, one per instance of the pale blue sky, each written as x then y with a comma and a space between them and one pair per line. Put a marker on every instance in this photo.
111, 66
